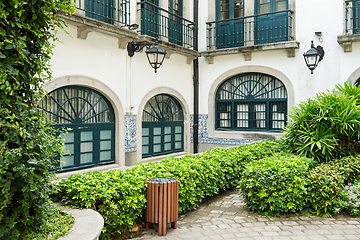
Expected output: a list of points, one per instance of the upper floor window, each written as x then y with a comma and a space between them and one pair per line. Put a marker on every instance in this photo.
352, 16
108, 11
270, 22
166, 22
251, 101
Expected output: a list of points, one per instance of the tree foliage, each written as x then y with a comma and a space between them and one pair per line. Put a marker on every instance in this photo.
27, 141
326, 127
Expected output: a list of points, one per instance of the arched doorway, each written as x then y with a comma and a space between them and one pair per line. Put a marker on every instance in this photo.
162, 126
90, 122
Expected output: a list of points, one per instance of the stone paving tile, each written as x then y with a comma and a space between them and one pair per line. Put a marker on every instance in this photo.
226, 217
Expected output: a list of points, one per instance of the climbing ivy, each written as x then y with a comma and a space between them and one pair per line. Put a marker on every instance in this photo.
27, 141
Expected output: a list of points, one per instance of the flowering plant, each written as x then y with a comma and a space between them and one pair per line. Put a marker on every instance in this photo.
350, 202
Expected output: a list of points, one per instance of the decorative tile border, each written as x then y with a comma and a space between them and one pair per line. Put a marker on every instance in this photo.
130, 133
204, 134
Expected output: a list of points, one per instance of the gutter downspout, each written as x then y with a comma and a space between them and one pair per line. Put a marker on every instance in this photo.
196, 78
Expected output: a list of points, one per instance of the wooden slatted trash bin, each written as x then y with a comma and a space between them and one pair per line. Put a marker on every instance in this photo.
162, 203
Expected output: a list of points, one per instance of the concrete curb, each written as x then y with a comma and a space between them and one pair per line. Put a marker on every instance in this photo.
87, 224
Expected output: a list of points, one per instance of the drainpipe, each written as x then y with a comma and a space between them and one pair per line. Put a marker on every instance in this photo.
196, 78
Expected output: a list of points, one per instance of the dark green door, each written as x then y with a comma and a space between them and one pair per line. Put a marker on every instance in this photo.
272, 23
102, 10
176, 22
229, 30
89, 120
150, 18
162, 126
356, 16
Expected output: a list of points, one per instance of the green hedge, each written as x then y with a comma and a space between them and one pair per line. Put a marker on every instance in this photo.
276, 185
324, 189
119, 196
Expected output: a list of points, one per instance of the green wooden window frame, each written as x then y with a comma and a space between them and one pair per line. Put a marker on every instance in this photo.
251, 102
272, 21
162, 126
90, 122
229, 29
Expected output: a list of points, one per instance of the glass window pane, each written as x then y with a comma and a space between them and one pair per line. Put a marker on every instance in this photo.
69, 137
145, 140
86, 147
225, 15
69, 149
105, 134
167, 130
145, 150
264, 1
106, 155
145, 131
281, 6
178, 129
157, 148
178, 145
265, 8
157, 131
67, 161
178, 137
157, 139
104, 145
87, 136
167, 138
86, 158
167, 146
238, 13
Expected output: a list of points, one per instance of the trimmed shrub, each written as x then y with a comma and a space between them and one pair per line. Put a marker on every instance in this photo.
324, 191
119, 196
348, 167
326, 127
276, 185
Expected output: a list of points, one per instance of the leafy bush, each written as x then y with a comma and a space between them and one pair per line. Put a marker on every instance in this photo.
325, 184
27, 143
349, 167
326, 127
276, 185
119, 196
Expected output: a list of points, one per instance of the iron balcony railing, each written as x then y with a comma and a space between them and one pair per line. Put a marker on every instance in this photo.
250, 30
109, 11
162, 24
352, 17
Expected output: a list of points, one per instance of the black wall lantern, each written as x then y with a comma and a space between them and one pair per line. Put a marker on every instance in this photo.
154, 53
313, 56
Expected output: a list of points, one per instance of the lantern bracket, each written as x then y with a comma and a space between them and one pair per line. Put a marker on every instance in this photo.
132, 47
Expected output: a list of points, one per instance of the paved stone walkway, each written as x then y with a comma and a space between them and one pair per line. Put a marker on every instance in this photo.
225, 217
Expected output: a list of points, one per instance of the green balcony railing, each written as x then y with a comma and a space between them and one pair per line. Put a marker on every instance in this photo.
109, 11
352, 17
162, 24
250, 30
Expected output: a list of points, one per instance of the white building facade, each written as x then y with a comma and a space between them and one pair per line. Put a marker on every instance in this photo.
248, 64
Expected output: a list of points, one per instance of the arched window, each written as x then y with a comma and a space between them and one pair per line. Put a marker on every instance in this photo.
89, 118
162, 126
251, 102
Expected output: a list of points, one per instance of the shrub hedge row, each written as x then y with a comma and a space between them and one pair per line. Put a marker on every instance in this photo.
273, 182
119, 196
